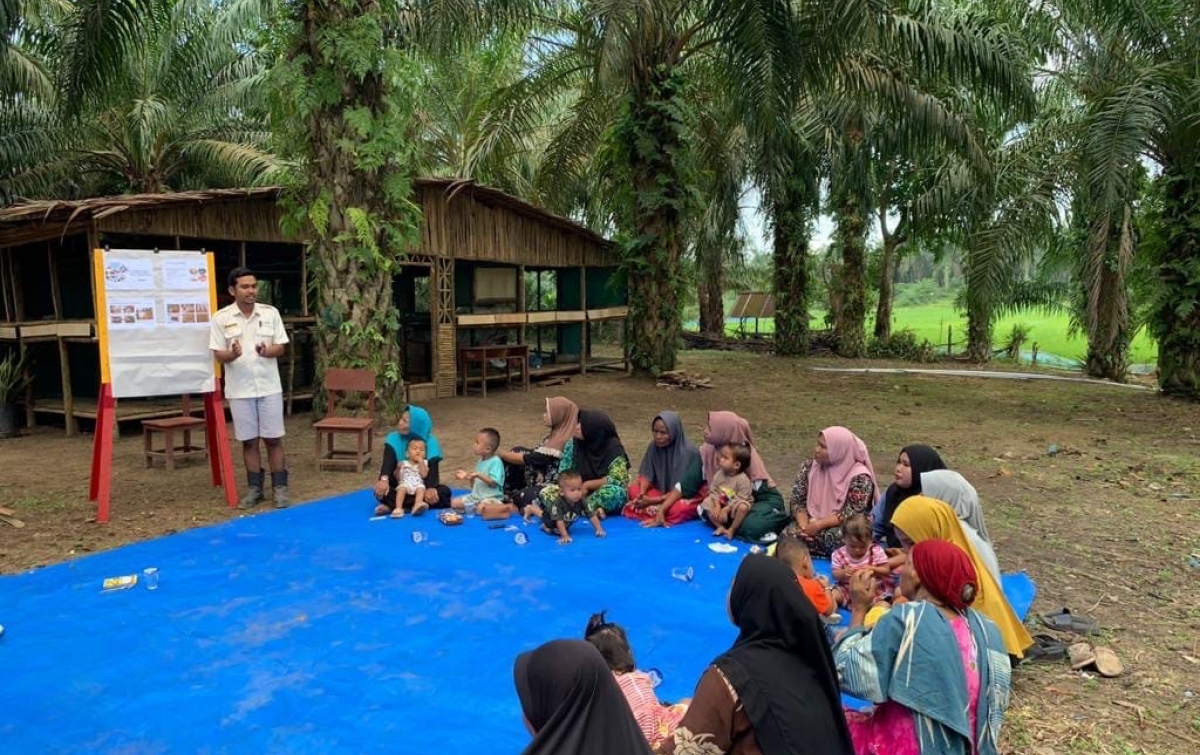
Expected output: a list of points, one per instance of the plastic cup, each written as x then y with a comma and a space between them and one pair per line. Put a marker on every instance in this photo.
469, 509
150, 578
656, 677
419, 537
683, 574
521, 538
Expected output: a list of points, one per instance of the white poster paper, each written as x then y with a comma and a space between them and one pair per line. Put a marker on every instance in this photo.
157, 315
128, 273
182, 275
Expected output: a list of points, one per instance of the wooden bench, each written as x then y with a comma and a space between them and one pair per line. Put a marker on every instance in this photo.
517, 356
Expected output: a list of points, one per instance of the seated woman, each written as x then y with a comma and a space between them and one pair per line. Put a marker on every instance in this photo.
768, 512
936, 670
953, 488
834, 485
670, 481
919, 519
775, 691
528, 470
572, 704
597, 454
414, 423
913, 461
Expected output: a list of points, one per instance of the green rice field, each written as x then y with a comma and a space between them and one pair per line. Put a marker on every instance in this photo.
930, 321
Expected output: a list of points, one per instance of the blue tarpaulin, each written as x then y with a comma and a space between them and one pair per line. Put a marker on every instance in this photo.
318, 630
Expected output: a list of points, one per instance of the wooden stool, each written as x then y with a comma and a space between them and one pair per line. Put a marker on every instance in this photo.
168, 426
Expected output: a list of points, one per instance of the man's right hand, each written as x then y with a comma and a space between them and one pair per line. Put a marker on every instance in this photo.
235, 350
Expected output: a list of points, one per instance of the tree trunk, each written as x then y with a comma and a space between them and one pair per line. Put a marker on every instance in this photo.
883, 310
1108, 327
356, 210
653, 144
791, 227
850, 327
711, 292
1175, 326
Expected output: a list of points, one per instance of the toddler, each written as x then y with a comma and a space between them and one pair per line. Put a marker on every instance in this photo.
657, 721
487, 481
561, 505
793, 552
410, 476
729, 492
860, 552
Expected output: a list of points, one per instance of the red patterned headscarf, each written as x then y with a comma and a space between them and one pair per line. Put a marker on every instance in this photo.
946, 572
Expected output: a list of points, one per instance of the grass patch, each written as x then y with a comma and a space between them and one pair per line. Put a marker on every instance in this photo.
930, 321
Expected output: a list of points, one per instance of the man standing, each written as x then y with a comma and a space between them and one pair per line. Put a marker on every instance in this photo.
248, 338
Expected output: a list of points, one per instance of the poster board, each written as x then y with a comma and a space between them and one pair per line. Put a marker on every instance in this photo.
154, 311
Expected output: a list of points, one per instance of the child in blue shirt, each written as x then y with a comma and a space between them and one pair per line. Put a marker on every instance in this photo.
487, 481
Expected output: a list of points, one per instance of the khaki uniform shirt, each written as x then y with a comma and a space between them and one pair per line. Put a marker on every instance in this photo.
250, 375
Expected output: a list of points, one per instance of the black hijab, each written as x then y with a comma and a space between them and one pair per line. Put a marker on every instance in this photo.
921, 459
600, 446
570, 698
781, 664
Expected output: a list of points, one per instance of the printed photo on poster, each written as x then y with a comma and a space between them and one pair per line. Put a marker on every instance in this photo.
187, 312
131, 314
128, 273
185, 274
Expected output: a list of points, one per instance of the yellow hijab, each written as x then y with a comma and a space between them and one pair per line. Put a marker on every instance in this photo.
923, 518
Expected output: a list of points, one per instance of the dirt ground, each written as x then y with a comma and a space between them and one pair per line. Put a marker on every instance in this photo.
1106, 526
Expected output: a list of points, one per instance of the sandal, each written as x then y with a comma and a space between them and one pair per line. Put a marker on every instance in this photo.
420, 507
1081, 655
382, 510
398, 512
1046, 649
1107, 663
1065, 621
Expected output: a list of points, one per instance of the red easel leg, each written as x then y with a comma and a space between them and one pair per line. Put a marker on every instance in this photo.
101, 417
214, 412
105, 419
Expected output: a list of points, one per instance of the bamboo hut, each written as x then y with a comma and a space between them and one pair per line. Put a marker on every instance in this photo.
489, 269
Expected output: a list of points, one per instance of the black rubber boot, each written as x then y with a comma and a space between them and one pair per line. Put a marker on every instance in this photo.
254, 495
279, 489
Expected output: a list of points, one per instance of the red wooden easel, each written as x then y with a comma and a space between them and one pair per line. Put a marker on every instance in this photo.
216, 439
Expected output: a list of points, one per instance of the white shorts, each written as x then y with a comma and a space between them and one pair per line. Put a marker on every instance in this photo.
257, 417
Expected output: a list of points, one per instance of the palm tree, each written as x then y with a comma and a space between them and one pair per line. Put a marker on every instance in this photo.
182, 109
899, 98
1134, 67
636, 69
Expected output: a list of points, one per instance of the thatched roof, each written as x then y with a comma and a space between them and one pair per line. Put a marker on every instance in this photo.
38, 220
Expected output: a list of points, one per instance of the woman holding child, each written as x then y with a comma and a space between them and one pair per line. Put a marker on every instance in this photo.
596, 453
414, 424
767, 513
775, 692
670, 481
837, 483
935, 669
528, 470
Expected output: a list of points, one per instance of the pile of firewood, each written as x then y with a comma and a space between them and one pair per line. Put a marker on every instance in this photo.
676, 379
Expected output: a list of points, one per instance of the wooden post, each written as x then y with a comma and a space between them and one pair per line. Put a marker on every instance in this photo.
4, 255
585, 336
949, 339
241, 254
93, 242
521, 304
303, 285
291, 351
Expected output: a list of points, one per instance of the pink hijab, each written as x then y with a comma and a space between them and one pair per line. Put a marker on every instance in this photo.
727, 427
828, 485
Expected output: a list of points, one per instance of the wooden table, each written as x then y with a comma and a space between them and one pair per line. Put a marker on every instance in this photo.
481, 355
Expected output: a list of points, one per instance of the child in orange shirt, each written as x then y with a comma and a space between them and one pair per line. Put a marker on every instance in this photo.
793, 552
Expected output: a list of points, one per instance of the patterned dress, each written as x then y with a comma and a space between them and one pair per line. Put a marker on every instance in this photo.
609, 497
860, 498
